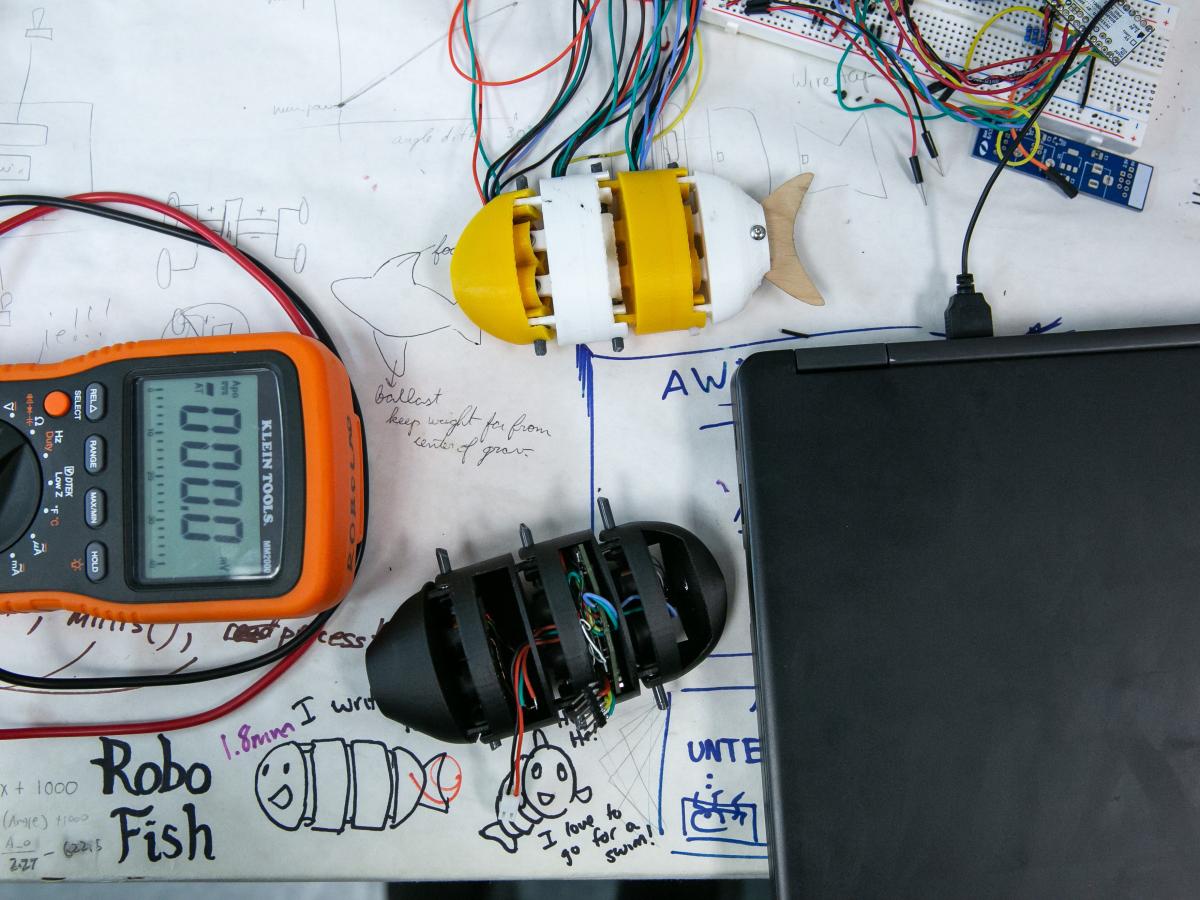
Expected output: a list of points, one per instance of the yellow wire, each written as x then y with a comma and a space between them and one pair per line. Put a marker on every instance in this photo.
992, 21
679, 118
1037, 141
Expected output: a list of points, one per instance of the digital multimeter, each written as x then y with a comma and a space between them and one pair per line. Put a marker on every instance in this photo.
202, 479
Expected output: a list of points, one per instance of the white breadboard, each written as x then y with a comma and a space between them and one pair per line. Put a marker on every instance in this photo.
1120, 101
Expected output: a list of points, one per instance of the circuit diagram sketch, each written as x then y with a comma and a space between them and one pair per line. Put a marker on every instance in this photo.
262, 231
6, 303
331, 785
42, 143
854, 165
206, 320
401, 307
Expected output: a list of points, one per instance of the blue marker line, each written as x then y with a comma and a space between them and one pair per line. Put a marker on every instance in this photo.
716, 425
725, 687
720, 855
762, 343
662, 764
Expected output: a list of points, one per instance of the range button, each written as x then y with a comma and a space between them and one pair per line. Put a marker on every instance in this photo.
95, 454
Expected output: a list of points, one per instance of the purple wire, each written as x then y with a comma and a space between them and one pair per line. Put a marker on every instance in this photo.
648, 135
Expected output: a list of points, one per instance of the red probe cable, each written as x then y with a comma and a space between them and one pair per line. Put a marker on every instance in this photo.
203, 718
272, 675
188, 222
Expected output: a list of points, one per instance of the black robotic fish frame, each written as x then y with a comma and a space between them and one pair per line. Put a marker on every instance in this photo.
574, 626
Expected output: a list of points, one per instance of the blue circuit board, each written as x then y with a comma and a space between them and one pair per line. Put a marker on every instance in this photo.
1117, 179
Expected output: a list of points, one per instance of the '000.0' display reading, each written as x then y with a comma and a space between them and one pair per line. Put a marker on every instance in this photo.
201, 467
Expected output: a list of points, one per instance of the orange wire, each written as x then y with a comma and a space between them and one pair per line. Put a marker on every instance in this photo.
538, 71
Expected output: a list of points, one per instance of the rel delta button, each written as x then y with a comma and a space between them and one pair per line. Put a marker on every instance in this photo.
94, 503
93, 454
95, 561
94, 405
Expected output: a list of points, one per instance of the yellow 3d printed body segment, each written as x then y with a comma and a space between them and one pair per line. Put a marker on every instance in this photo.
495, 267
590, 258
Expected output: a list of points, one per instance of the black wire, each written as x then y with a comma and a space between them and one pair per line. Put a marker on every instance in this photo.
492, 183
1017, 142
304, 634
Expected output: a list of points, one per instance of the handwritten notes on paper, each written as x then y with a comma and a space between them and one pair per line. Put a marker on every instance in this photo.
469, 433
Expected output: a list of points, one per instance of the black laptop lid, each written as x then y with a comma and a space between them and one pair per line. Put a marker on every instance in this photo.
975, 571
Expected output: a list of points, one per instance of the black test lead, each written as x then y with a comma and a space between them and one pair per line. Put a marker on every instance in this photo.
932, 148
918, 177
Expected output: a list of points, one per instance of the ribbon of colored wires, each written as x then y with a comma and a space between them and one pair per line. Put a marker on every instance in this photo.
307, 323
642, 83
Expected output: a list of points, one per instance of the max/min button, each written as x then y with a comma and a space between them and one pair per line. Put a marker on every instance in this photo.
94, 507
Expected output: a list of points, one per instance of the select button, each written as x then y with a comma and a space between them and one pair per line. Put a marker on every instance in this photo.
94, 507
56, 404
94, 452
95, 561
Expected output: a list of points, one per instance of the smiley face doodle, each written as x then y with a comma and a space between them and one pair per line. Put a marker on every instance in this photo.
549, 785
363, 785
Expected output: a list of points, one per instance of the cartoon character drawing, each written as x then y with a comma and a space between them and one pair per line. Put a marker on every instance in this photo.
548, 787
329, 785
400, 308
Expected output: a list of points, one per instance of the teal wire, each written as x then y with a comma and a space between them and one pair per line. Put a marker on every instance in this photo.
474, 77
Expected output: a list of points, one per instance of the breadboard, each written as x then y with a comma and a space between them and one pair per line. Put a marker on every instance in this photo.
1120, 101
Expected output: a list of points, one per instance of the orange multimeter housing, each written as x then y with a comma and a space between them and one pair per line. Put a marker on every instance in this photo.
203, 479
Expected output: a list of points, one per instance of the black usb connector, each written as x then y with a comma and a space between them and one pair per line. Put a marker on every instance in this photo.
968, 315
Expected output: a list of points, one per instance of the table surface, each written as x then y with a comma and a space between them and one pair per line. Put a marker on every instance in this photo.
332, 140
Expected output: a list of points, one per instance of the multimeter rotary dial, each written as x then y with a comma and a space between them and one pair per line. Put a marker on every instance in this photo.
20, 485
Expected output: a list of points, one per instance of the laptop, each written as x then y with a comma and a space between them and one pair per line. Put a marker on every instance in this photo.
975, 579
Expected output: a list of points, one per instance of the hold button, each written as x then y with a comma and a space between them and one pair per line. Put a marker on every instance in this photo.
96, 561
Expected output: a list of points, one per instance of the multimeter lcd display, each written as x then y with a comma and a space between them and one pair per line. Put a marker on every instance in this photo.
211, 479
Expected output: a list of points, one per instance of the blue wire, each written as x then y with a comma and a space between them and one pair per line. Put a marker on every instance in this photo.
594, 600
632, 597
648, 135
